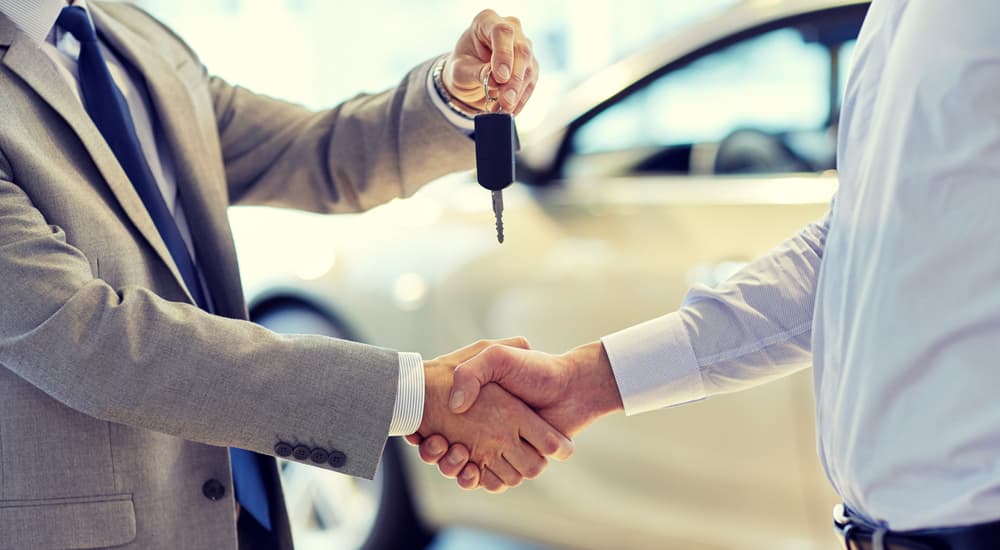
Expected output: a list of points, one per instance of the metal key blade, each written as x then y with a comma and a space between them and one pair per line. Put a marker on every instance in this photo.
498, 213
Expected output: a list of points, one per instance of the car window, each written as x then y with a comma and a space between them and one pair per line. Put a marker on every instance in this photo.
761, 105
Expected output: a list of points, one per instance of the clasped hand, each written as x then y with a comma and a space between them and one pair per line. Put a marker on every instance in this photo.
503, 409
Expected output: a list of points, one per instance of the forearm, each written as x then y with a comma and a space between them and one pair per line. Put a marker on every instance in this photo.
133, 358
753, 328
362, 153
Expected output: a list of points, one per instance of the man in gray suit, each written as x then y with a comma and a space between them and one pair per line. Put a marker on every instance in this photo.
127, 366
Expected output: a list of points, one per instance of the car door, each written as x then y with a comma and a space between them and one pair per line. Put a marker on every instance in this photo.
679, 181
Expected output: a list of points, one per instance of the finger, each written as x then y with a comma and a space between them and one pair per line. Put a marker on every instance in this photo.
502, 47
433, 448
469, 479
467, 74
524, 99
414, 439
491, 481
519, 342
454, 461
478, 347
526, 460
531, 76
511, 93
507, 473
547, 440
490, 365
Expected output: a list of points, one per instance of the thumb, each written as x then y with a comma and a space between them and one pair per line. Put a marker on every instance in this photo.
469, 377
464, 75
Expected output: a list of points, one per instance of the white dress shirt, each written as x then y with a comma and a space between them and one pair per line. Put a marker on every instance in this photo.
896, 292
37, 20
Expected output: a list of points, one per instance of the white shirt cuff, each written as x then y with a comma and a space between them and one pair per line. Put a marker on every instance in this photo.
654, 365
461, 123
408, 412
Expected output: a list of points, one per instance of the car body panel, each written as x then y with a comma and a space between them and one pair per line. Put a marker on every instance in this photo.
583, 258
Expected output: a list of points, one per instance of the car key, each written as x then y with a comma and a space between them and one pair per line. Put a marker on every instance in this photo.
495, 144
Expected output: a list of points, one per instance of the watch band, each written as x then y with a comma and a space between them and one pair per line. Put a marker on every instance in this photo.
457, 106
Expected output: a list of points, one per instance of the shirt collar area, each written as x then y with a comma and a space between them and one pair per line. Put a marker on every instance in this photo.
36, 18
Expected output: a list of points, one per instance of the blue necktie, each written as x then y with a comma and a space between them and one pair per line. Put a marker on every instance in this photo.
107, 108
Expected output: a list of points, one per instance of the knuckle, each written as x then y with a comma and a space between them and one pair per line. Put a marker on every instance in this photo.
484, 15
513, 21
503, 29
495, 352
497, 440
522, 50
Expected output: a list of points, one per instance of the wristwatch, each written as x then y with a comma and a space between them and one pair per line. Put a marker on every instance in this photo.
457, 106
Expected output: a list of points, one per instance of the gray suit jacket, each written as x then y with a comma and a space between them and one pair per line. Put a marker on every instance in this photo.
118, 397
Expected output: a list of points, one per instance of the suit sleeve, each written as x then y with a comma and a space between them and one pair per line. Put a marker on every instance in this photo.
131, 357
755, 327
357, 155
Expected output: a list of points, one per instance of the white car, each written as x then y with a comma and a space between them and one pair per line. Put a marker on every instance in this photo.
672, 167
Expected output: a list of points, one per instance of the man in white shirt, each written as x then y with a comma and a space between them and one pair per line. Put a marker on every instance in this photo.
894, 297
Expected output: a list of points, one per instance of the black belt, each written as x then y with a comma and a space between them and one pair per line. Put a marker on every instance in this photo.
860, 534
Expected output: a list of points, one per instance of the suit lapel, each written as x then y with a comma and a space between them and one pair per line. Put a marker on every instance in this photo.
202, 190
32, 65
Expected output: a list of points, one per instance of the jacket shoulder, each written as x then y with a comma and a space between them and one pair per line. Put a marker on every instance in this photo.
141, 22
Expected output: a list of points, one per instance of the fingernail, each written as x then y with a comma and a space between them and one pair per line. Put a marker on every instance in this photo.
468, 475
565, 450
457, 399
509, 97
435, 447
454, 459
503, 71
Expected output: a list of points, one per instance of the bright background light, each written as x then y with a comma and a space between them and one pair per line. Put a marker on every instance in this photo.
319, 52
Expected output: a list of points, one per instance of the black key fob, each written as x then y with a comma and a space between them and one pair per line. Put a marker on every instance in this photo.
496, 142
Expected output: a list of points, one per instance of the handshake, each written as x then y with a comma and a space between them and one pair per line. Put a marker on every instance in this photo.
495, 410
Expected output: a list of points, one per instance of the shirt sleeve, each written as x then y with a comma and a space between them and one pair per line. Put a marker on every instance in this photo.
408, 411
460, 122
753, 328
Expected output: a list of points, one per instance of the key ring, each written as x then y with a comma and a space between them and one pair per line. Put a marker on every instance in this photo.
486, 90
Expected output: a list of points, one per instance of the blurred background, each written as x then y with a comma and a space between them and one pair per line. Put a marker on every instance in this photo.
345, 48
668, 143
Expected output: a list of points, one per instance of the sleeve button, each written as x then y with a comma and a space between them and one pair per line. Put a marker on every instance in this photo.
319, 456
301, 452
337, 459
283, 450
